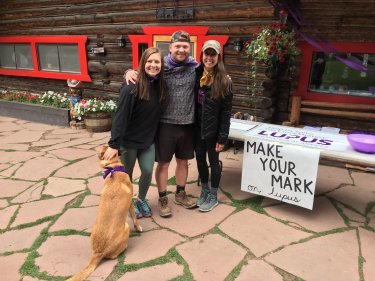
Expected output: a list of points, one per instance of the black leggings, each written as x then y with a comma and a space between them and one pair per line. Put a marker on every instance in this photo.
203, 147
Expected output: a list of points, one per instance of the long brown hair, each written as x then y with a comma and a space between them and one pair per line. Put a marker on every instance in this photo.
143, 84
221, 82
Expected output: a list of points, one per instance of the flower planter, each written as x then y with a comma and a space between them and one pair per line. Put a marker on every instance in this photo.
35, 112
98, 122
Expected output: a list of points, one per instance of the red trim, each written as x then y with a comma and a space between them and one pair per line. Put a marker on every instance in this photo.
136, 39
33, 40
303, 83
150, 31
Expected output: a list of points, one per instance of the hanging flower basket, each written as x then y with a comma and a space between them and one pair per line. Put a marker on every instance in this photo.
273, 44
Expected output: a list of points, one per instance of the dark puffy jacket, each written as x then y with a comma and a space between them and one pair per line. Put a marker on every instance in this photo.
216, 113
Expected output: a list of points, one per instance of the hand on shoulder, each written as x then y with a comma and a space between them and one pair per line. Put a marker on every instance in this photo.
131, 76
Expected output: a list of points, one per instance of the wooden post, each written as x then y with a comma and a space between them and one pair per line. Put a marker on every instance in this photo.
295, 111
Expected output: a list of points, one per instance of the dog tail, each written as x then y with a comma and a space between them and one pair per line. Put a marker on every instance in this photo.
84, 273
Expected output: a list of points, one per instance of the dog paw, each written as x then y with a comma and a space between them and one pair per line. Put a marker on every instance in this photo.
139, 228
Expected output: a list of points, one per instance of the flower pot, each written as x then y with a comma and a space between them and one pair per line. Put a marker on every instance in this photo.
35, 112
98, 121
276, 69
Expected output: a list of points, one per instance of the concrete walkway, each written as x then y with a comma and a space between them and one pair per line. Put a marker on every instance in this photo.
50, 182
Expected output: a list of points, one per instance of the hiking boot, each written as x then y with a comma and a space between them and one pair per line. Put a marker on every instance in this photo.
182, 199
202, 198
138, 214
209, 204
144, 208
164, 210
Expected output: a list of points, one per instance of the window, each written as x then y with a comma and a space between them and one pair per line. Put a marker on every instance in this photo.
330, 76
324, 78
55, 57
60, 58
16, 56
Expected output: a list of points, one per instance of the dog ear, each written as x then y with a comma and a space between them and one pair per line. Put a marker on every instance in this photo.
102, 150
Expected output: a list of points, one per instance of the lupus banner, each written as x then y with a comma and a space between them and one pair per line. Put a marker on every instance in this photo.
280, 171
314, 139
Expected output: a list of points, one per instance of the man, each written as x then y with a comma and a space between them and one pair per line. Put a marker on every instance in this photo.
176, 128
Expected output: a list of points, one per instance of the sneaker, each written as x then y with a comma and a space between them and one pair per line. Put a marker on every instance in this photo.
181, 198
164, 210
138, 214
144, 208
202, 198
209, 204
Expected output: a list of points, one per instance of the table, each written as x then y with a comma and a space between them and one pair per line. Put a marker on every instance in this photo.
347, 156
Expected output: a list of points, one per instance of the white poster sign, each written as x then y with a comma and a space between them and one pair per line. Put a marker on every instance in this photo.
280, 171
314, 139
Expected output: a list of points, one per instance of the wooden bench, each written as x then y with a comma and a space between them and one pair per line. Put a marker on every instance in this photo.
358, 112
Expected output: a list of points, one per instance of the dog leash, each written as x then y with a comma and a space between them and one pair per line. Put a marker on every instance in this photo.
110, 170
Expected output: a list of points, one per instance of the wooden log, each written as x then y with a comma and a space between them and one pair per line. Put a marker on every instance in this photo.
217, 28
120, 12
339, 105
295, 111
338, 113
110, 67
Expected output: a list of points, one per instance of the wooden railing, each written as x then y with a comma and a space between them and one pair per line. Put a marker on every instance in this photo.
329, 109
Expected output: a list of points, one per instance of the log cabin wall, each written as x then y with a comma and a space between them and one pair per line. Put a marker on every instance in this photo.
105, 21
337, 21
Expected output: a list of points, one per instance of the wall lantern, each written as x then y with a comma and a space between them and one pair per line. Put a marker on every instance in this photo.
121, 42
237, 45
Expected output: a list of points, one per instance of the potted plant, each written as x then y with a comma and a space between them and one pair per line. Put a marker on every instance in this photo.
97, 114
49, 107
273, 45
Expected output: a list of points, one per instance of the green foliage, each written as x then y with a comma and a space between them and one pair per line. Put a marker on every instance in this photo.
93, 106
274, 43
49, 98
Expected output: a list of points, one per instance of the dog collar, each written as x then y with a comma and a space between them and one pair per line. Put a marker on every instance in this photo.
110, 170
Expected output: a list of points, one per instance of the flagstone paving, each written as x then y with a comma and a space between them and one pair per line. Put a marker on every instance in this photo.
50, 185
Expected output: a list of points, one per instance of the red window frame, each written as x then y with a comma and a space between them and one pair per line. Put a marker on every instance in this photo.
150, 31
33, 40
305, 70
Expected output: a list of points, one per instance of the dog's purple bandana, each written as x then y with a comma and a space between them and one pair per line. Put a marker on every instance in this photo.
110, 170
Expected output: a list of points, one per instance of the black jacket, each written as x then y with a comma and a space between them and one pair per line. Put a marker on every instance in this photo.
136, 121
214, 119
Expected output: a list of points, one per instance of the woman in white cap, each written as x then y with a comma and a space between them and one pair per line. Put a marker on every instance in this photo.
212, 119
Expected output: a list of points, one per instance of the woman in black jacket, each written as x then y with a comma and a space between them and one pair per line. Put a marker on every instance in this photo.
213, 112
136, 121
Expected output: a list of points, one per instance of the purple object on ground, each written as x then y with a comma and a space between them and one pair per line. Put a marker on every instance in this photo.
362, 142
371, 90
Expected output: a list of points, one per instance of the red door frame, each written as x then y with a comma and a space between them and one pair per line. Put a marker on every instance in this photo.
150, 31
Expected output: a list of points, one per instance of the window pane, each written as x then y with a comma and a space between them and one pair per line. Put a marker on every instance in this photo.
141, 48
7, 58
330, 76
48, 57
164, 47
69, 58
23, 56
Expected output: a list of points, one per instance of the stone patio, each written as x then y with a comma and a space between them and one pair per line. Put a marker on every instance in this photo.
50, 182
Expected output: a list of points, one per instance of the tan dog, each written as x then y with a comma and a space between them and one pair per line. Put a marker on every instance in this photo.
110, 234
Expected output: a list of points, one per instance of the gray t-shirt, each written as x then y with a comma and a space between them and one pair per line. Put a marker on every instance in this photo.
180, 83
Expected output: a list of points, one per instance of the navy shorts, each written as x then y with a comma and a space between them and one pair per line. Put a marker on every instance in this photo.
173, 139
